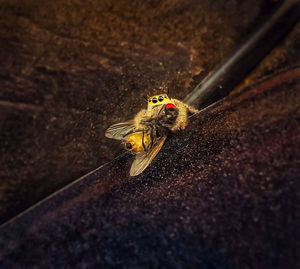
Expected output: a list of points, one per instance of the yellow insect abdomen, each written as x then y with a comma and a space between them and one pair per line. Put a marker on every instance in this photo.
134, 141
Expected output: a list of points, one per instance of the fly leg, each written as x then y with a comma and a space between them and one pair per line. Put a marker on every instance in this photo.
143, 141
128, 133
152, 135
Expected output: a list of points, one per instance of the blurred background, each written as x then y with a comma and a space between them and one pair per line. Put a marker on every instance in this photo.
69, 69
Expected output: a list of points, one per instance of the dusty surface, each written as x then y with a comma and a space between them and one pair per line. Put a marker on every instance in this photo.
221, 194
69, 69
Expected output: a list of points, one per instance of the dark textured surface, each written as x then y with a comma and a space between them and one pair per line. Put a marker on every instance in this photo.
69, 69
221, 194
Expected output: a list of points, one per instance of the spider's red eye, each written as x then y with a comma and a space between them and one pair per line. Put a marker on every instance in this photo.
169, 106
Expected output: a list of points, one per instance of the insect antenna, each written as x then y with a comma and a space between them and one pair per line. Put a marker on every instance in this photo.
146, 98
143, 141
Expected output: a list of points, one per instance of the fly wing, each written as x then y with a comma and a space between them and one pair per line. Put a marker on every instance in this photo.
120, 130
143, 159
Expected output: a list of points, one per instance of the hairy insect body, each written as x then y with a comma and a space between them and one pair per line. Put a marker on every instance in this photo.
166, 117
140, 118
147, 132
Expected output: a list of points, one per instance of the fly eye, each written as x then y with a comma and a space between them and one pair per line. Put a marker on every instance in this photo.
160, 98
154, 100
128, 145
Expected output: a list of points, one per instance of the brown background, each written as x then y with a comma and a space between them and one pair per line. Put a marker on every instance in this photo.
69, 69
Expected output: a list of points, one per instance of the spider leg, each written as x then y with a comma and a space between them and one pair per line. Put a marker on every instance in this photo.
159, 112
